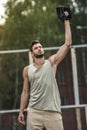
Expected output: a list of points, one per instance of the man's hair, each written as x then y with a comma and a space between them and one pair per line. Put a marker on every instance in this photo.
33, 43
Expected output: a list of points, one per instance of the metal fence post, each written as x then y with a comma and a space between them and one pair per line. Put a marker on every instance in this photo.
30, 58
76, 90
86, 114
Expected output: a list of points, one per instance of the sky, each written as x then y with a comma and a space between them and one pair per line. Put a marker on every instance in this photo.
2, 11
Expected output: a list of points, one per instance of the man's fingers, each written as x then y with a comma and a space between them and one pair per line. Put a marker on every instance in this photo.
66, 13
21, 120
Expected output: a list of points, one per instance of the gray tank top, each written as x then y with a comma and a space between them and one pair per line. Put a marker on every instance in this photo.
44, 93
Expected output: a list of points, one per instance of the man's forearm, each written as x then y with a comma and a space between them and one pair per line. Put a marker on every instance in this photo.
24, 100
68, 36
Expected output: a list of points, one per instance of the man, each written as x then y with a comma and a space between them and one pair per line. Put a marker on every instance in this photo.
40, 87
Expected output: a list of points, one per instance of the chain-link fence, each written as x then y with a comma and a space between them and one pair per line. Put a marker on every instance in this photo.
72, 83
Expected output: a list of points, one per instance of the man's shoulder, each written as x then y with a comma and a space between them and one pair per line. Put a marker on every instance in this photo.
28, 67
25, 69
48, 61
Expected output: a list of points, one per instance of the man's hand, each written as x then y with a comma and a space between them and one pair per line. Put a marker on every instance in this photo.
21, 118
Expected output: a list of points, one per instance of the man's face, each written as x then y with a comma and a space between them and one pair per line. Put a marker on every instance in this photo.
37, 50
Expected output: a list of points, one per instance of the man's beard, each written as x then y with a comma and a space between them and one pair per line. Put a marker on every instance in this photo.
39, 56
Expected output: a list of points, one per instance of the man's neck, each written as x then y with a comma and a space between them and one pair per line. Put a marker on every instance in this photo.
39, 62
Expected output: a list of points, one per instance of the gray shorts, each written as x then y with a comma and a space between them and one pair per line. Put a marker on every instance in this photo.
37, 120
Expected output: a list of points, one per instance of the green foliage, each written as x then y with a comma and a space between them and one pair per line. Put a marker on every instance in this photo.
27, 22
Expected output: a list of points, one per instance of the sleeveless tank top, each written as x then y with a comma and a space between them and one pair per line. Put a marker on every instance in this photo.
44, 93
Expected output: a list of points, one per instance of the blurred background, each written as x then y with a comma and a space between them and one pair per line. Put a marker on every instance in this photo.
27, 20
